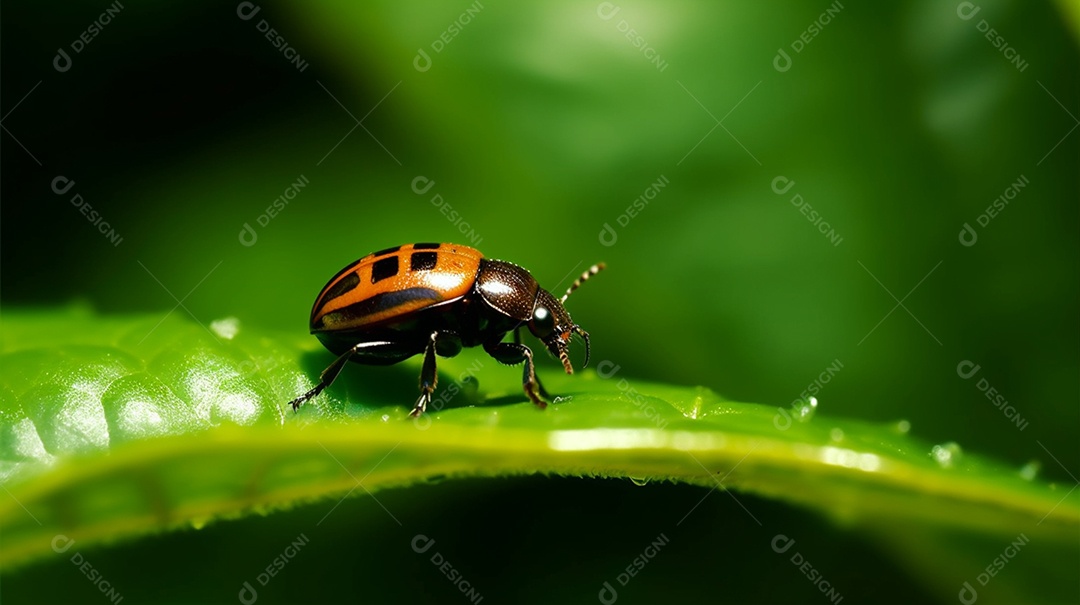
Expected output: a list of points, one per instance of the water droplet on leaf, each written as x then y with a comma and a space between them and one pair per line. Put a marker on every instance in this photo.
1030, 470
946, 454
226, 327
805, 411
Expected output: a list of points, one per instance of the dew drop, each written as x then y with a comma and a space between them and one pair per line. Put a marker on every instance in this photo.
385, 417
902, 427
227, 327
805, 411
695, 411
946, 454
1030, 470
639, 481
836, 434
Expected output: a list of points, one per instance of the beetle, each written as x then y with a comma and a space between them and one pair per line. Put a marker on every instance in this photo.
436, 299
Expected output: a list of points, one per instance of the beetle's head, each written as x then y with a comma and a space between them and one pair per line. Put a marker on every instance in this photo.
552, 325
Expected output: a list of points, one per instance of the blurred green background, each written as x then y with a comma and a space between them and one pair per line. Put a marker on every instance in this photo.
538, 125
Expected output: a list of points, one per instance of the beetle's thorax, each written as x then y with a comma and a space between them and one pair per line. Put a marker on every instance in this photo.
508, 288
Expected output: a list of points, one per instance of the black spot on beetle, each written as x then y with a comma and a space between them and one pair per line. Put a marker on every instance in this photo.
423, 261
384, 268
344, 286
426, 246
386, 251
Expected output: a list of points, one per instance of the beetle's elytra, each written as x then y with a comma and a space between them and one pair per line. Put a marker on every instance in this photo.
436, 299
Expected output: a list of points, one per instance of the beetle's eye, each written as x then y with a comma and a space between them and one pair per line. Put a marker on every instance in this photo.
543, 321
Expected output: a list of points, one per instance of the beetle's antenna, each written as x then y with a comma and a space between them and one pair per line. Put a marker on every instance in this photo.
593, 270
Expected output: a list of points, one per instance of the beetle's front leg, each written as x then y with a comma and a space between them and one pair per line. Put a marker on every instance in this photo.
511, 354
539, 385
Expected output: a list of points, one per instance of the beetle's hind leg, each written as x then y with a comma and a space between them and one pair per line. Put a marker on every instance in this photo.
331, 372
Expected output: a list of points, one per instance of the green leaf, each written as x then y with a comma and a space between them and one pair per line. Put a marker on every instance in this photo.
115, 427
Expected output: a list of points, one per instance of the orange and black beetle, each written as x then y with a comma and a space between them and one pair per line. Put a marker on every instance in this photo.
438, 298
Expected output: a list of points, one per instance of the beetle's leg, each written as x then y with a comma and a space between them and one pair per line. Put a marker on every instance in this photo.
539, 385
331, 372
428, 378
511, 354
